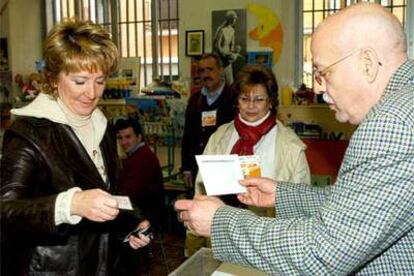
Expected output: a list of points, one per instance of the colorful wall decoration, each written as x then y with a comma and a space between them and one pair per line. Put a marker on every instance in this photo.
269, 30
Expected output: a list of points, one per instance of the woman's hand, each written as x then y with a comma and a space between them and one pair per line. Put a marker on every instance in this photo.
261, 192
141, 240
96, 205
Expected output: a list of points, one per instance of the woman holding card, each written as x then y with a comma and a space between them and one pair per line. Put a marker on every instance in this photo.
256, 135
59, 165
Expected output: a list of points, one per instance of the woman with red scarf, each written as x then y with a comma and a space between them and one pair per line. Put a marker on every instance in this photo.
255, 131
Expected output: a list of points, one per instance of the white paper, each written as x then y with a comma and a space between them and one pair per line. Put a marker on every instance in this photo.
219, 273
124, 202
221, 174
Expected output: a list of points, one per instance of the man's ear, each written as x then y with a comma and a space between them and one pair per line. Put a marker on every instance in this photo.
139, 136
370, 64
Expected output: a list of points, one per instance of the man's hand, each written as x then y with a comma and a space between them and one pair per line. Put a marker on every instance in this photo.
261, 192
141, 240
197, 214
96, 205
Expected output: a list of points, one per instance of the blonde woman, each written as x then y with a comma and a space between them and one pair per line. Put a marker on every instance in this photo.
59, 165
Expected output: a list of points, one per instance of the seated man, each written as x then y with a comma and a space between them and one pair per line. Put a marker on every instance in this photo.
141, 179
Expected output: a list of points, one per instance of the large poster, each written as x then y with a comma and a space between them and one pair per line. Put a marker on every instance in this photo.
268, 31
229, 40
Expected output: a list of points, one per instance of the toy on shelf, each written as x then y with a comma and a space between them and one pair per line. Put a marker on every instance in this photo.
160, 88
30, 86
304, 95
162, 118
117, 88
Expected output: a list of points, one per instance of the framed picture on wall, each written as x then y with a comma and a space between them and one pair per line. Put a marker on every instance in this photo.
194, 43
4, 63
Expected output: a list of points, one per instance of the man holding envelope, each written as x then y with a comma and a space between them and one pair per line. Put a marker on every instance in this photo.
364, 223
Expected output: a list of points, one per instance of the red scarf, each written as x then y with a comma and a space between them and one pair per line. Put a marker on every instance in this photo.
250, 135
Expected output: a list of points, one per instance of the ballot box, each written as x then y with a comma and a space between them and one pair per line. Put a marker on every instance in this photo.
202, 263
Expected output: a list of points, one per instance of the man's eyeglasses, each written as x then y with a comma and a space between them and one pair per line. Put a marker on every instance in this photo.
319, 75
257, 100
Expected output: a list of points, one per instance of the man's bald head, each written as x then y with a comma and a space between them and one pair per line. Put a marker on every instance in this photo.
365, 25
355, 52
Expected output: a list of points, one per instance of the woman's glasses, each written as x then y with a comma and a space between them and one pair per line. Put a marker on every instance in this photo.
256, 100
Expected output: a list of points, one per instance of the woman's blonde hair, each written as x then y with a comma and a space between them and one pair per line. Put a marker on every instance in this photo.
73, 46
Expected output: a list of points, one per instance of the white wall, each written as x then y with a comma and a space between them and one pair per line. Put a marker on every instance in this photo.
4, 21
24, 35
196, 15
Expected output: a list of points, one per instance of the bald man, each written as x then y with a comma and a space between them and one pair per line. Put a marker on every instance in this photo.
364, 224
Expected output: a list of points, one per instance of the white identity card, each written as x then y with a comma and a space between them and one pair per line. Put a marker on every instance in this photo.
124, 202
221, 174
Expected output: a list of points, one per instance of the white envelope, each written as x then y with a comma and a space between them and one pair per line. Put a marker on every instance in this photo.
221, 174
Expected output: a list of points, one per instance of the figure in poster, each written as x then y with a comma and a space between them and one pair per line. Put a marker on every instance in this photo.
225, 46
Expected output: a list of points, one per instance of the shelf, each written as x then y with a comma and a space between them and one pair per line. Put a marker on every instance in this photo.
320, 114
112, 102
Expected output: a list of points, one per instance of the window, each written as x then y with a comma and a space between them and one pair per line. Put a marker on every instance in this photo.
141, 28
314, 11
